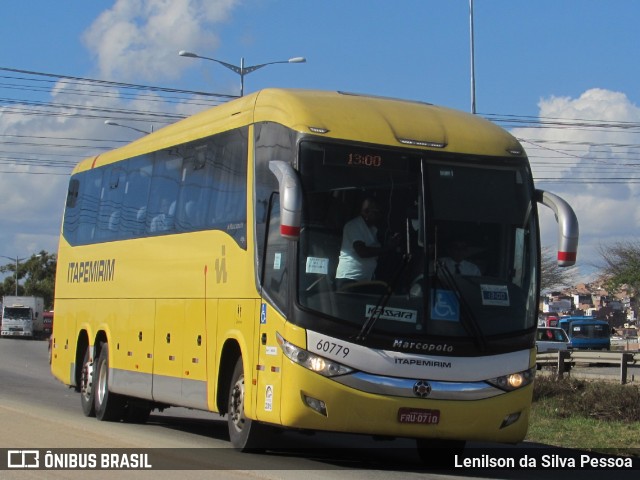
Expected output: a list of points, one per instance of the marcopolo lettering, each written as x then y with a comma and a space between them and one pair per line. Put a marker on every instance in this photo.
91, 271
421, 346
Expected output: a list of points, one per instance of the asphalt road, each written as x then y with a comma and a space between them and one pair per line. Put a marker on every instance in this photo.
39, 413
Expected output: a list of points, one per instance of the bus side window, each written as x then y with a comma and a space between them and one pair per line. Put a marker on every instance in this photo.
228, 196
196, 187
165, 184
72, 194
88, 203
112, 193
72, 212
136, 195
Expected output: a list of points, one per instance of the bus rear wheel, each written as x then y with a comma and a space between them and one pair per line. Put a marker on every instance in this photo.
87, 392
245, 434
109, 406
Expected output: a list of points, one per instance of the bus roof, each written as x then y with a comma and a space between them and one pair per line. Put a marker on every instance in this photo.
360, 118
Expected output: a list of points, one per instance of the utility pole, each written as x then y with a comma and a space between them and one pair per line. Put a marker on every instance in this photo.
473, 66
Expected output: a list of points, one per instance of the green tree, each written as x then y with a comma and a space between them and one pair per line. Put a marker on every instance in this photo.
621, 265
36, 277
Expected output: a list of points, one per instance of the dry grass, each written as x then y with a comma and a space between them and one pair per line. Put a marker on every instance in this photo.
583, 414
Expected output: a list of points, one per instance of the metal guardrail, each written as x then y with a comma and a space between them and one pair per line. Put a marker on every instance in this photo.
565, 360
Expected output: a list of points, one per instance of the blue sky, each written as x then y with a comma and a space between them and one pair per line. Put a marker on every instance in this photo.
548, 59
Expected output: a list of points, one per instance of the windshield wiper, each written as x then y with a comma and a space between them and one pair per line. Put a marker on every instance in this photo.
384, 298
382, 301
467, 318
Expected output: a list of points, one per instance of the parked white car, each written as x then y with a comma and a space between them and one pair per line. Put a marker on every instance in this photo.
551, 339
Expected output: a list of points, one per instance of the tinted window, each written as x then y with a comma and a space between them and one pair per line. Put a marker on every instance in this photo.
194, 186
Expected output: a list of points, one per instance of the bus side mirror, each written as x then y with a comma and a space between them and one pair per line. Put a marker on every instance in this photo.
290, 199
567, 227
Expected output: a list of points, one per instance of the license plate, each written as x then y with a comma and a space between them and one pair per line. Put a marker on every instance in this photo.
420, 416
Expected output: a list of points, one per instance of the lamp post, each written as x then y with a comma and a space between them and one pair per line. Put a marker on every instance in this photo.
114, 124
473, 60
16, 259
241, 70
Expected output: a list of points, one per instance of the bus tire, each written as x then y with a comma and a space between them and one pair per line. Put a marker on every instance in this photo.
109, 406
87, 392
245, 434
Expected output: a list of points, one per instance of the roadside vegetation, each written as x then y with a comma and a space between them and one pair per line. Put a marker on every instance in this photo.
36, 277
584, 414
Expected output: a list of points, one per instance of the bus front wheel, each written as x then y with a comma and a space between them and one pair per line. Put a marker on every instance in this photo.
109, 406
245, 434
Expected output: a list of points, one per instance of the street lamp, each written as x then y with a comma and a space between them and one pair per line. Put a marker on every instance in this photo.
16, 259
114, 124
241, 70
473, 61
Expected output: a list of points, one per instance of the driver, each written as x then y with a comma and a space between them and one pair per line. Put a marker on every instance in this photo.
360, 247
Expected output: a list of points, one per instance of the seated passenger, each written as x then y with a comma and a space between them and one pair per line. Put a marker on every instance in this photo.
456, 263
164, 220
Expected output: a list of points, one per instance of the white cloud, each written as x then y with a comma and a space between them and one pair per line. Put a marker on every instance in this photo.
140, 39
596, 145
34, 195
135, 40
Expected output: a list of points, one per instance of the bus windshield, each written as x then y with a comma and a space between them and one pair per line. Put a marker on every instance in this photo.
452, 249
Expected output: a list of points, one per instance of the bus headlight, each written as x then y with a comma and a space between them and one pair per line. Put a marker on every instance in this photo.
311, 361
513, 381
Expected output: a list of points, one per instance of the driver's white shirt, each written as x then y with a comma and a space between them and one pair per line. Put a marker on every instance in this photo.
351, 265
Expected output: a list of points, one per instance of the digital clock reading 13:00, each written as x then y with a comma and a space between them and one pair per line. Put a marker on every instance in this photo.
364, 160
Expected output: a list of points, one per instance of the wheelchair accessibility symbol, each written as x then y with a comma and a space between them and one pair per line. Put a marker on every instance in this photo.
445, 306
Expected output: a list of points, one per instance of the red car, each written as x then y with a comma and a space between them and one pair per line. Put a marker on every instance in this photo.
47, 323
47, 329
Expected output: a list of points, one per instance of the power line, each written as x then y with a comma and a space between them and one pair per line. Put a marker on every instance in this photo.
590, 160
119, 84
191, 100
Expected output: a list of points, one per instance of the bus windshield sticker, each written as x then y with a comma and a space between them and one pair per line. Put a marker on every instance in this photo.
495, 295
317, 265
389, 313
277, 259
446, 306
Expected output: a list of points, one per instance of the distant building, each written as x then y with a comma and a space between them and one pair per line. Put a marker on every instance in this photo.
556, 306
583, 301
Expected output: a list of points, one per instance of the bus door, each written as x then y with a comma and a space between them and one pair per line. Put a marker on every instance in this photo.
275, 286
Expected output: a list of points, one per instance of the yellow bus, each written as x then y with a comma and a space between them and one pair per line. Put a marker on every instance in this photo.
198, 267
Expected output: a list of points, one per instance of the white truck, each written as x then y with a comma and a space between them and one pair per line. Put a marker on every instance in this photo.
22, 317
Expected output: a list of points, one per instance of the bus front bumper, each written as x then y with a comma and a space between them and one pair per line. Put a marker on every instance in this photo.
341, 404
